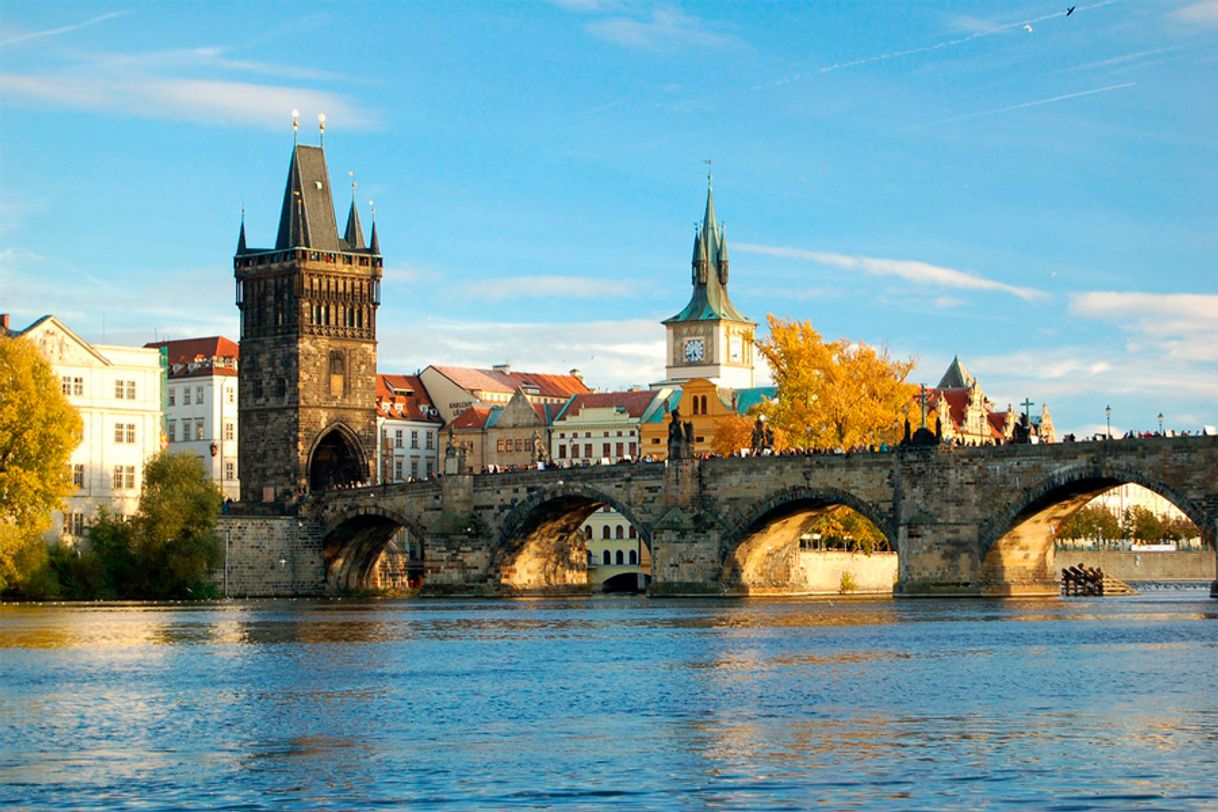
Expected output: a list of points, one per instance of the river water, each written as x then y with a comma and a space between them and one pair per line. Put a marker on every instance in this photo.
622, 702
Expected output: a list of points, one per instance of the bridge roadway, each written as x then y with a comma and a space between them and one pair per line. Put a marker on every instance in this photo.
964, 521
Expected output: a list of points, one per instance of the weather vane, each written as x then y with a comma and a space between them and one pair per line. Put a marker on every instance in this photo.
321, 128
295, 125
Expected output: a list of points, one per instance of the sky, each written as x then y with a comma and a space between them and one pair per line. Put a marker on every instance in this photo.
1033, 191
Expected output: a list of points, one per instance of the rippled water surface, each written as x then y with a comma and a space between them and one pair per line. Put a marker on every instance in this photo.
630, 703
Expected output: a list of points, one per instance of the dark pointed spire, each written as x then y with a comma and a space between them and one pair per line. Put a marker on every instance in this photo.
241, 236
699, 260
354, 236
723, 254
307, 217
375, 246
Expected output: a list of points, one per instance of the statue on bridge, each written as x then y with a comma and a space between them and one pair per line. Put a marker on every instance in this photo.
680, 437
763, 437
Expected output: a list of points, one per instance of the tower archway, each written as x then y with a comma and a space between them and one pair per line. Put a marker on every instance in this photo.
337, 460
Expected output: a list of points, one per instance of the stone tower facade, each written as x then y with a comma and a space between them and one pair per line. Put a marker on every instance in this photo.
710, 338
307, 394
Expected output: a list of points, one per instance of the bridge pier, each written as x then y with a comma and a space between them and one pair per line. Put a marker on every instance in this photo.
685, 554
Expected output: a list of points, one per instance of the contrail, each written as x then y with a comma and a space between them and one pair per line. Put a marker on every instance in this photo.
960, 41
1036, 103
55, 31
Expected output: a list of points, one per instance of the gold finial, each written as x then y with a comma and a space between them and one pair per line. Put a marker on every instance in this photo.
707, 161
295, 125
321, 128
352, 174
372, 207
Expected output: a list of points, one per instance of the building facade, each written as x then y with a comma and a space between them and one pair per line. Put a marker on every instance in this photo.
201, 405
117, 391
966, 416
603, 427
307, 393
408, 426
455, 389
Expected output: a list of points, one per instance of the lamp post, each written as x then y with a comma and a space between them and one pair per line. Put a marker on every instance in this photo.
1108, 420
1160, 424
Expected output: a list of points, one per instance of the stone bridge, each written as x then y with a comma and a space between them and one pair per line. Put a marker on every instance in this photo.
964, 521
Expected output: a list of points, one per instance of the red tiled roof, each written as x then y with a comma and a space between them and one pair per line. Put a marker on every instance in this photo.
472, 418
213, 355
635, 402
393, 400
494, 380
957, 402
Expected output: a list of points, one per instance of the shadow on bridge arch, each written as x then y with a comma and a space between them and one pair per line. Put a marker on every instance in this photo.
1016, 549
806, 541
373, 549
543, 546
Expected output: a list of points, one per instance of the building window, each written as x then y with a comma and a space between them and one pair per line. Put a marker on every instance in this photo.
588, 532
230, 470
562, 452
414, 439
74, 524
397, 469
634, 449
78, 386
65, 384
172, 395
588, 450
130, 390
124, 477
120, 389
619, 532
230, 394
634, 558
171, 431
199, 394
338, 374
428, 464
185, 396
397, 438
414, 467
606, 558
604, 449
429, 440
519, 444
78, 475
619, 558
605, 533
124, 432
499, 446
230, 431
634, 534
618, 448
199, 429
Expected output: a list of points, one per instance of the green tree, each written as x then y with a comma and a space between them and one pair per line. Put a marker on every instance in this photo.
39, 429
832, 395
844, 528
174, 546
1091, 522
1142, 525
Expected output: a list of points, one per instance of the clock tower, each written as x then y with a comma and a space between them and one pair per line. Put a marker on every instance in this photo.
710, 338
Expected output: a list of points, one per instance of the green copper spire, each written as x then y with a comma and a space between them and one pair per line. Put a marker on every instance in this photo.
709, 301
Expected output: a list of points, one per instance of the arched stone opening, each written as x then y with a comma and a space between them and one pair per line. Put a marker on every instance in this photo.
337, 460
373, 553
1018, 550
546, 546
811, 542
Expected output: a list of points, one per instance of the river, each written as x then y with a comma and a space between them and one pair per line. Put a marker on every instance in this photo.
623, 702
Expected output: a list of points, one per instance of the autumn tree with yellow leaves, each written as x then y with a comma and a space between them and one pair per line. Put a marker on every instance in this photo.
39, 429
837, 395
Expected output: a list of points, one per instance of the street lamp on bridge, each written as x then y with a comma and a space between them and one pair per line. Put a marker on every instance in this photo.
1108, 420
1161, 424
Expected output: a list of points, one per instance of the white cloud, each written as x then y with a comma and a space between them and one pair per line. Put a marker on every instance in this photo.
610, 354
664, 30
1203, 13
907, 269
1179, 326
204, 101
544, 287
53, 32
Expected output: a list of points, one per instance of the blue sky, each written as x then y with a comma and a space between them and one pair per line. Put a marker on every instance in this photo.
932, 177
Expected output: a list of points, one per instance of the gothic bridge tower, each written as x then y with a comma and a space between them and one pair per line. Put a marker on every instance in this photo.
307, 393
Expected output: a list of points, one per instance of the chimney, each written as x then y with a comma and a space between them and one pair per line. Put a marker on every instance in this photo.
504, 368
575, 373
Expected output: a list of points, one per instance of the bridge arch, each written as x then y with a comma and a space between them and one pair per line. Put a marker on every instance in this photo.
1017, 545
337, 458
540, 545
760, 548
355, 540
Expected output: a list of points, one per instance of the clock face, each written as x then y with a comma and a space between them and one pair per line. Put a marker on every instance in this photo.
694, 350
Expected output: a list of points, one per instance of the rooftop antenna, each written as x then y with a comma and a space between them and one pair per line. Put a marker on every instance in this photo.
321, 127
295, 125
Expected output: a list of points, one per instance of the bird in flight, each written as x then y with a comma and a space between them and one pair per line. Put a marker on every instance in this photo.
1070, 10
1027, 27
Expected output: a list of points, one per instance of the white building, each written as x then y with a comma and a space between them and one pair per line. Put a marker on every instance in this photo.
603, 427
408, 426
117, 391
201, 405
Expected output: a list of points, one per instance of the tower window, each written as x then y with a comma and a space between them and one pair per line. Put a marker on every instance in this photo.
338, 374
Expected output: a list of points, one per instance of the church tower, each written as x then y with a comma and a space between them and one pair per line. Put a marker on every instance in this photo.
710, 338
307, 376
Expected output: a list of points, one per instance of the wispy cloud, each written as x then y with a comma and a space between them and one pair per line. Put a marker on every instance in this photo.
1203, 13
205, 101
545, 287
54, 32
978, 31
663, 30
908, 269
1180, 326
1036, 103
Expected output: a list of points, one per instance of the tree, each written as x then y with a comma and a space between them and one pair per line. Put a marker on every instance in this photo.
835, 395
1092, 522
842, 527
732, 433
39, 429
174, 546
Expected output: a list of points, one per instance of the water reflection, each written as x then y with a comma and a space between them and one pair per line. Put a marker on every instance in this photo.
585, 703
